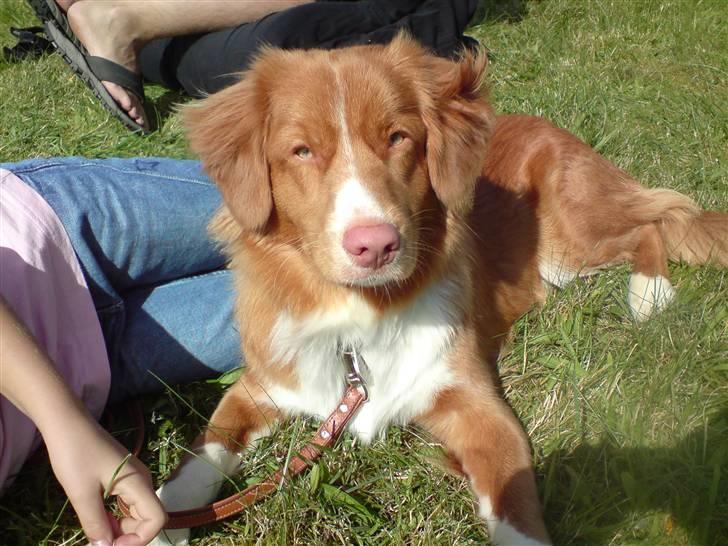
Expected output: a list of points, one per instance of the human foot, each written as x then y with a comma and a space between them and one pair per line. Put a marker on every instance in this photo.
65, 4
107, 31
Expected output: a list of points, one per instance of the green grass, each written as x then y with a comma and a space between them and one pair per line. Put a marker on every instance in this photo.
629, 423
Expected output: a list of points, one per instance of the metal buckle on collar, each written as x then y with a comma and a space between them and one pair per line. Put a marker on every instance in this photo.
353, 377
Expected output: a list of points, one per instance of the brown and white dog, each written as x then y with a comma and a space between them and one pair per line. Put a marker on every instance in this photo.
372, 198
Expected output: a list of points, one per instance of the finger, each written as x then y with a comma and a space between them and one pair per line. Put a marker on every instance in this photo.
145, 529
92, 515
129, 539
148, 518
169, 536
115, 525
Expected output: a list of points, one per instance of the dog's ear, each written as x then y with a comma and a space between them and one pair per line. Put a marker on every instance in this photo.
227, 131
458, 128
456, 113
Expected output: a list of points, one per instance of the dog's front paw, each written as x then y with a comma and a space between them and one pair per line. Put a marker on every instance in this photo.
648, 295
172, 537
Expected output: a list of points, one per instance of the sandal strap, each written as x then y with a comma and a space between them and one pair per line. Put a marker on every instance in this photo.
30, 44
26, 33
109, 71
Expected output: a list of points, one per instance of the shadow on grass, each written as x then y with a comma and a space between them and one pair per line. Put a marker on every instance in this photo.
160, 109
510, 11
597, 489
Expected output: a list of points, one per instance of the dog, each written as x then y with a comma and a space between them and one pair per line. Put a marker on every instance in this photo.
372, 198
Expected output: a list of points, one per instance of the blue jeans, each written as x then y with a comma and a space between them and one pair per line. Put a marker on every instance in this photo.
162, 294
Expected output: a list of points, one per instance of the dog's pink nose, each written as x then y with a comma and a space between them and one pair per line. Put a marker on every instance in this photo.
372, 246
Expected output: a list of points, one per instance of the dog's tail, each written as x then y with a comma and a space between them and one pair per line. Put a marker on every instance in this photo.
701, 239
690, 234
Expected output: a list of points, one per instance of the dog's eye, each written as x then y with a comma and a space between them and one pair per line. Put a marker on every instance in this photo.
303, 152
396, 138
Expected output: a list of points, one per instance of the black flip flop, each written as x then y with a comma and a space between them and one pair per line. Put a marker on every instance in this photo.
48, 10
31, 44
92, 70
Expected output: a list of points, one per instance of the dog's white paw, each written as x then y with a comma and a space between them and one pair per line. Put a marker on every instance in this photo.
196, 483
501, 532
555, 273
648, 295
172, 537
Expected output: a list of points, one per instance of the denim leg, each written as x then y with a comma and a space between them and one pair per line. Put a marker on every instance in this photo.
137, 225
179, 331
132, 222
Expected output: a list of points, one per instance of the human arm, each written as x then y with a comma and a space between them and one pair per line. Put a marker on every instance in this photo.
83, 455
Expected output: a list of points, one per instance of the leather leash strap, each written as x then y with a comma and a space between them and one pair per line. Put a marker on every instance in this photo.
325, 437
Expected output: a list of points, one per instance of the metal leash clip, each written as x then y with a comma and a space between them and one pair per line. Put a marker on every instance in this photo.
353, 377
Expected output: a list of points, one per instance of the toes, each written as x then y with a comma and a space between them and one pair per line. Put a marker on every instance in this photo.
119, 94
128, 102
136, 112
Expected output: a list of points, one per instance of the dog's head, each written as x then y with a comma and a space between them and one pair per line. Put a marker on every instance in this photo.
355, 156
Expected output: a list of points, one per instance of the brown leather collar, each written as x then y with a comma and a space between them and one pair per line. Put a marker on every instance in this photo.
354, 397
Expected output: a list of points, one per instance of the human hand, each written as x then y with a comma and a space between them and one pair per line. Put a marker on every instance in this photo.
85, 458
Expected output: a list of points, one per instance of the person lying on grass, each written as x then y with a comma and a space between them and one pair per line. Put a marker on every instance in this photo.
109, 283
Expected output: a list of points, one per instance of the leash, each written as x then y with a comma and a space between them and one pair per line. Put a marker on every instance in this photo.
328, 433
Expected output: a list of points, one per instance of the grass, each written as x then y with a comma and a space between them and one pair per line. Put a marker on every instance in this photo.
629, 423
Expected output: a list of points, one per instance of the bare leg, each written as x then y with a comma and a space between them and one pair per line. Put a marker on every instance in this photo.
118, 29
65, 4
487, 442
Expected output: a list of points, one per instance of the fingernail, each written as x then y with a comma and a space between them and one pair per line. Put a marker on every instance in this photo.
102, 542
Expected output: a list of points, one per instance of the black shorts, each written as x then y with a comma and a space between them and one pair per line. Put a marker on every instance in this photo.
204, 63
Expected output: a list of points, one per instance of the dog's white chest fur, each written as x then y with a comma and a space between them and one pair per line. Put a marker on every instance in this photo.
405, 354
